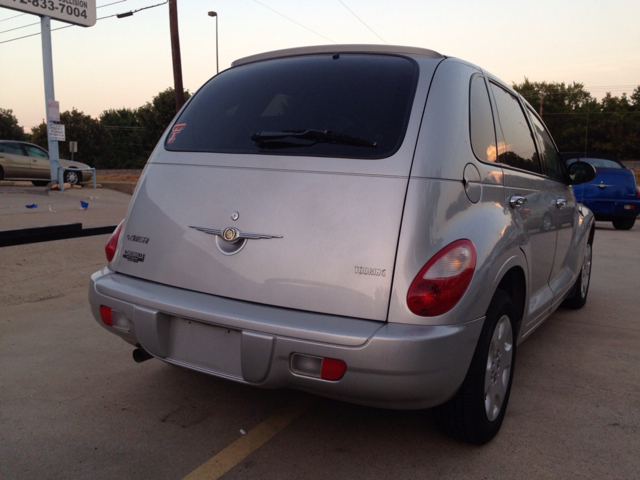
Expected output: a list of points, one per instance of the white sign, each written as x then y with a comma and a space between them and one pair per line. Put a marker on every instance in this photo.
78, 12
53, 112
56, 132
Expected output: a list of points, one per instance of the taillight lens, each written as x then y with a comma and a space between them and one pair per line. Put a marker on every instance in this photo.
441, 283
106, 315
110, 247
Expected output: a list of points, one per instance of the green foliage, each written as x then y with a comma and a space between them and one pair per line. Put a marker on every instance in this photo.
577, 121
124, 148
9, 128
90, 134
155, 116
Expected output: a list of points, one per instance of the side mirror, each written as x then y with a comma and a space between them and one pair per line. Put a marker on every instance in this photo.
581, 172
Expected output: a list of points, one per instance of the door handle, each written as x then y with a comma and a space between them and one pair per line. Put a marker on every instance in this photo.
560, 202
517, 201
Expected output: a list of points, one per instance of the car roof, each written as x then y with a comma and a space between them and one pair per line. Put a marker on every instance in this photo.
292, 52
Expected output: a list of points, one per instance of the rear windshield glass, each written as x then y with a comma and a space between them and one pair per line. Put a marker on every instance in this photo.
599, 163
354, 106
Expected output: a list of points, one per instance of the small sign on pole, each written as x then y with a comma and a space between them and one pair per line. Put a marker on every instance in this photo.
73, 148
53, 112
56, 132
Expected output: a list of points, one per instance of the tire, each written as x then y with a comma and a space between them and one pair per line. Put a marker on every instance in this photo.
40, 183
624, 223
72, 177
476, 412
547, 222
578, 295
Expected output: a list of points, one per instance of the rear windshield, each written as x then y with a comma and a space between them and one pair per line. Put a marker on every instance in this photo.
354, 106
600, 163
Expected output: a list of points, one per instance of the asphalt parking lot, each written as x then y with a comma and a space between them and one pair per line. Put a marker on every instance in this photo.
73, 404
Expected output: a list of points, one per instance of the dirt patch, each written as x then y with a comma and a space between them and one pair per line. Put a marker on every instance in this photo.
118, 177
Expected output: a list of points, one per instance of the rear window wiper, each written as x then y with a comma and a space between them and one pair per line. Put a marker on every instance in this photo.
273, 139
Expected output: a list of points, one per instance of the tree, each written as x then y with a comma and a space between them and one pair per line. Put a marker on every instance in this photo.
155, 116
91, 135
124, 148
9, 128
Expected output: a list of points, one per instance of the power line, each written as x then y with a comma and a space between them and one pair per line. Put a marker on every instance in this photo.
345, 6
291, 20
101, 18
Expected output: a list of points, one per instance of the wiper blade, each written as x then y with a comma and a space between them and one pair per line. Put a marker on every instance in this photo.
316, 136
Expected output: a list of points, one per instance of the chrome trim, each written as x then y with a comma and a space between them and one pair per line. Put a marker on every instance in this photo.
232, 234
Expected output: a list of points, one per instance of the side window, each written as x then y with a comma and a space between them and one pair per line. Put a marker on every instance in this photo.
552, 159
35, 152
516, 148
483, 133
13, 148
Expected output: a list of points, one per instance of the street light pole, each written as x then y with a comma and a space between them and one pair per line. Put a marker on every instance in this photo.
215, 14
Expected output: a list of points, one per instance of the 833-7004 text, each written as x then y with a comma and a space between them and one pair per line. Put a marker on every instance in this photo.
75, 8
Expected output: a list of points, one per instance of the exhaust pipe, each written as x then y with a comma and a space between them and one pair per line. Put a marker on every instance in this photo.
141, 355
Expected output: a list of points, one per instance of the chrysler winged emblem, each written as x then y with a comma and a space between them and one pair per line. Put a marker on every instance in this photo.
232, 234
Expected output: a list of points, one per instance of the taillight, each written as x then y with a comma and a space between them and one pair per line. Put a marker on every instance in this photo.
441, 283
106, 315
110, 247
318, 367
638, 191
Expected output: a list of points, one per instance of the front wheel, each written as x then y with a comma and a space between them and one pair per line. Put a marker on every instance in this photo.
477, 410
72, 177
624, 223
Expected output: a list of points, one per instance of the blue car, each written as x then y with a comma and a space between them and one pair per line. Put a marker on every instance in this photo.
613, 195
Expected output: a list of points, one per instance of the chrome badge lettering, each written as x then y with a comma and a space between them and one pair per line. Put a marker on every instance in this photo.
138, 239
134, 257
378, 272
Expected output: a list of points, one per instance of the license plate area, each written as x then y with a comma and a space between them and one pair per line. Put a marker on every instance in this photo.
208, 347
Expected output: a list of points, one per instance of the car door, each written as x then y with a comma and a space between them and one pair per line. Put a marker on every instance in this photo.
566, 209
528, 203
14, 160
39, 161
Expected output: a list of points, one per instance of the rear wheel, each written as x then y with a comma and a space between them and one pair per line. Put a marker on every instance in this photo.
624, 223
578, 295
476, 412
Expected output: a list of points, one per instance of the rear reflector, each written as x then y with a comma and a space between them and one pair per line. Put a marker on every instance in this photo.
105, 315
629, 207
114, 318
318, 367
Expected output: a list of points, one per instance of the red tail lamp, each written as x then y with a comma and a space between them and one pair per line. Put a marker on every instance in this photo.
112, 244
106, 315
444, 279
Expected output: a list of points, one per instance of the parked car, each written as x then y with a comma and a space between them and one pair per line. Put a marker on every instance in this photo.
344, 220
613, 195
26, 161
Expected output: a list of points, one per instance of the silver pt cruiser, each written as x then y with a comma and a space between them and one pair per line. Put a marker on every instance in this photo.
380, 225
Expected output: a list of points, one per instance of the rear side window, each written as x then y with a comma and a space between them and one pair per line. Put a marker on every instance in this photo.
36, 152
516, 148
483, 134
11, 148
603, 163
354, 106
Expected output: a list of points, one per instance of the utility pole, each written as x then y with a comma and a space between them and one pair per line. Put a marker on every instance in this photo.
175, 52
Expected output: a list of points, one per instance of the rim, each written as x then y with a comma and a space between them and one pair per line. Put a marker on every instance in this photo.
498, 371
586, 271
72, 177
546, 223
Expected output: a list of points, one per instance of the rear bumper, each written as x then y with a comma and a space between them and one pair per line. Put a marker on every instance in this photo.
606, 210
388, 365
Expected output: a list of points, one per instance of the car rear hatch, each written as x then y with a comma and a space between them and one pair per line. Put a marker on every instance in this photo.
609, 184
301, 220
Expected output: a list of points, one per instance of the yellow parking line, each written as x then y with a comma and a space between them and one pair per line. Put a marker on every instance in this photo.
231, 456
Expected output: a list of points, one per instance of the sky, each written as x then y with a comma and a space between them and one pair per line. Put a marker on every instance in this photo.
126, 62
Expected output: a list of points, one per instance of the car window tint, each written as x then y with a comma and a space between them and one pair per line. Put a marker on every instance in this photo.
12, 148
483, 134
35, 152
602, 163
553, 160
517, 149
365, 97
